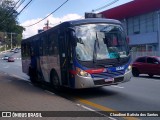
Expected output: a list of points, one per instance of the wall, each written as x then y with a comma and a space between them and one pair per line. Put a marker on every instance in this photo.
143, 29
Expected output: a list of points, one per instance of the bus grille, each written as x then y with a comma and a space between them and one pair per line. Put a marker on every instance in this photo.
107, 75
102, 82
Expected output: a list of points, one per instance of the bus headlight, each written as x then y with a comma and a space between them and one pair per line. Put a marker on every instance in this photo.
83, 73
129, 68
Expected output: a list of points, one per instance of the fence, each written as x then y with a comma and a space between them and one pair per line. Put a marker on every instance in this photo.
134, 55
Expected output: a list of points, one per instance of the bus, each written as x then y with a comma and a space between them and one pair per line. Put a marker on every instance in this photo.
79, 54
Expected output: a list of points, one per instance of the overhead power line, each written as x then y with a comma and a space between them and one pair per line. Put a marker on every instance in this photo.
16, 9
48, 15
15, 5
24, 7
11, 13
105, 6
20, 4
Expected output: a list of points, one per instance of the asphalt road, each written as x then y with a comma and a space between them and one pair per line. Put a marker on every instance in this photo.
13, 68
140, 94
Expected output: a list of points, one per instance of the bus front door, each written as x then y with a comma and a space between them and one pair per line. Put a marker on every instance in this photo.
63, 48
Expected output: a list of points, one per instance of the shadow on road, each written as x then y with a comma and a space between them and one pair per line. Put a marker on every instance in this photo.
151, 78
71, 94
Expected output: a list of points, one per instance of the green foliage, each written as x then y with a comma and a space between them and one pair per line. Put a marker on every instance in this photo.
9, 23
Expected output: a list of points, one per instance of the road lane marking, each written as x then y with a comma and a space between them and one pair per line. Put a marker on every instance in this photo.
117, 86
112, 118
102, 108
87, 108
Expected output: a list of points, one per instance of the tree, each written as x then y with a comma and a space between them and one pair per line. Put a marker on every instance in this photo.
8, 20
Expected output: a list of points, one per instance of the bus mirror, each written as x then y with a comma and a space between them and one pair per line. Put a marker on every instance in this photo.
104, 40
73, 38
107, 41
74, 41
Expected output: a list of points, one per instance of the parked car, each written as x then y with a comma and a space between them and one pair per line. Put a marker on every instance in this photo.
5, 57
146, 65
15, 51
11, 59
12, 50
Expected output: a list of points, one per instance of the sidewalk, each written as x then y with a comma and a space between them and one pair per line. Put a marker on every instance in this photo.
19, 95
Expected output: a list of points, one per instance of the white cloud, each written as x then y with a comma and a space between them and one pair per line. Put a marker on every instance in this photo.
30, 31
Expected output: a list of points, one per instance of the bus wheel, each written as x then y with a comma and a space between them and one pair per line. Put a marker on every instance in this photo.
32, 75
55, 81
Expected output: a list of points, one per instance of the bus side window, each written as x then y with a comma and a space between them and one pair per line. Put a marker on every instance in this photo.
32, 47
40, 47
23, 50
45, 45
27, 50
53, 45
56, 51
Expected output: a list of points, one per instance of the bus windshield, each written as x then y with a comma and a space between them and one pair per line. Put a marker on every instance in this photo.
100, 41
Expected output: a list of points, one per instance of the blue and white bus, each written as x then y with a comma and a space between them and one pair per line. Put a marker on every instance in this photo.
79, 54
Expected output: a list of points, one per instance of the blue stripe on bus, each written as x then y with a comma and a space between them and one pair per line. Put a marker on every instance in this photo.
110, 72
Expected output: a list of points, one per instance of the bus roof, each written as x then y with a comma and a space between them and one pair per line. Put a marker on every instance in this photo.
92, 20
79, 22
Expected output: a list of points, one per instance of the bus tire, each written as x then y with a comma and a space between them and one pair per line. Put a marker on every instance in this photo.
54, 79
32, 75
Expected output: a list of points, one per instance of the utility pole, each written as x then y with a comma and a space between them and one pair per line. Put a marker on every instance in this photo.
11, 40
5, 41
47, 24
158, 12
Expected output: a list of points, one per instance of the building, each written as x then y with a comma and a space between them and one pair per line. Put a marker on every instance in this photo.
141, 18
45, 28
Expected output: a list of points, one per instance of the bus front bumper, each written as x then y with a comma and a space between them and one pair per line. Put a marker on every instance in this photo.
89, 82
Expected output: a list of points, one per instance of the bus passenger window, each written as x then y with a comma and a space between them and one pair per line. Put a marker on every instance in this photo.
40, 48
52, 48
45, 45
55, 50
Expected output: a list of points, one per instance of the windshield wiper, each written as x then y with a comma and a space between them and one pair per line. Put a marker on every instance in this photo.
96, 42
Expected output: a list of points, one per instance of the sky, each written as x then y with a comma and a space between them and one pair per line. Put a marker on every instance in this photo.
73, 9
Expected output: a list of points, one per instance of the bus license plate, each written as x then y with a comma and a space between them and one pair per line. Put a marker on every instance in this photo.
109, 79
